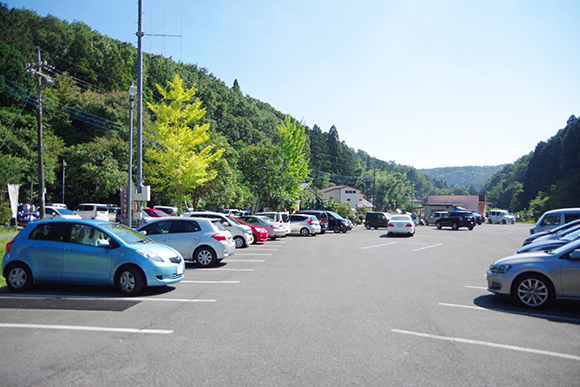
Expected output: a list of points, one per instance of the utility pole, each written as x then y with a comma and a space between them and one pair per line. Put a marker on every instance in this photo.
43, 82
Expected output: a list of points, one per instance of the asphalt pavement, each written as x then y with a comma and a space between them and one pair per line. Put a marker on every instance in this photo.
354, 309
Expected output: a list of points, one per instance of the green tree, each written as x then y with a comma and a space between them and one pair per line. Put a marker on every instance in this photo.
175, 164
292, 141
261, 167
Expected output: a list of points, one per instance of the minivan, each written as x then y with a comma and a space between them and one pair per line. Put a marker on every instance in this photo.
554, 218
330, 219
374, 219
432, 219
280, 217
500, 216
93, 211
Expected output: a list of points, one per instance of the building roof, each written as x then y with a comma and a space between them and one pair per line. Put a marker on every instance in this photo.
337, 187
364, 203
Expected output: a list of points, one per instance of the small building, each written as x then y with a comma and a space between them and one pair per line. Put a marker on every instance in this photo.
346, 194
475, 203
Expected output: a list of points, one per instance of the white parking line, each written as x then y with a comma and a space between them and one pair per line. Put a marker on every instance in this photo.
254, 254
559, 318
209, 282
372, 247
428, 247
40, 297
488, 344
221, 269
87, 328
462, 306
246, 260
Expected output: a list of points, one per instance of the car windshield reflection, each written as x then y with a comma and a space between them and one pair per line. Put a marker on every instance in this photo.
125, 233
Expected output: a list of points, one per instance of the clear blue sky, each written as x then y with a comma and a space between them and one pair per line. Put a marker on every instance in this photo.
423, 83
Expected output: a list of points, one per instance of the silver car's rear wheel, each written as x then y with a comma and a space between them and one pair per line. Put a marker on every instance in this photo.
304, 231
533, 290
204, 256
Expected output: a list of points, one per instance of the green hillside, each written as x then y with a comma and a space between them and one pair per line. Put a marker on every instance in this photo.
472, 177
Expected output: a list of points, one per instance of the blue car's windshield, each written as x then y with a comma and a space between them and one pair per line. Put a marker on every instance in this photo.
125, 233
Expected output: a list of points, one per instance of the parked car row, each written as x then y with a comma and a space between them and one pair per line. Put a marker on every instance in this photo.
548, 264
101, 252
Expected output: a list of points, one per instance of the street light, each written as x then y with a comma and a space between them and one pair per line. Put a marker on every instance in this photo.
132, 93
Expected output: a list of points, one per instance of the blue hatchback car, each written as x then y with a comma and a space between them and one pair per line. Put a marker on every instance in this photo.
89, 252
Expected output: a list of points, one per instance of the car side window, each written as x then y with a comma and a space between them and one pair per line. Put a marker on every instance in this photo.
83, 234
570, 217
56, 232
157, 228
552, 220
184, 226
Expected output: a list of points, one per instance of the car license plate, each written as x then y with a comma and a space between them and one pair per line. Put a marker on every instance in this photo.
179, 269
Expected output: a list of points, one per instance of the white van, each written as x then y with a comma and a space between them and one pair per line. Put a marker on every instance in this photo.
555, 218
500, 216
280, 217
93, 211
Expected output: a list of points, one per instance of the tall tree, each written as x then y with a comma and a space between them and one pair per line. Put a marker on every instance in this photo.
175, 164
292, 142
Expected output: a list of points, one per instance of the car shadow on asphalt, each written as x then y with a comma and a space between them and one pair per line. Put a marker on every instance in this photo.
395, 236
189, 265
562, 311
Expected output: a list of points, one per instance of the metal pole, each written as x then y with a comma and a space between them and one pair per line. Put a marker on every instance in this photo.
139, 111
40, 144
63, 168
139, 181
130, 192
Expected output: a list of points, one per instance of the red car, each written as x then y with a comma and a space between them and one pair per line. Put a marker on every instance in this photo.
260, 233
154, 213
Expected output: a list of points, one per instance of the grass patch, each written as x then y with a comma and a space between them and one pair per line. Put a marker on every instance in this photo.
3, 242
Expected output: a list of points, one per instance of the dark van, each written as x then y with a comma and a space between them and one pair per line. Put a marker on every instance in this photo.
328, 220
375, 219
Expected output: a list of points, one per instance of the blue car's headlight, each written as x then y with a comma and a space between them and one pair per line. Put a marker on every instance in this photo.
499, 269
150, 255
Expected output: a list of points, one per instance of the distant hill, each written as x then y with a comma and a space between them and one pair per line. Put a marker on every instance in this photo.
475, 176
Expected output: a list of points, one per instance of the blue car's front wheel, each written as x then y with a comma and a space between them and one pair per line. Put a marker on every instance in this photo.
129, 280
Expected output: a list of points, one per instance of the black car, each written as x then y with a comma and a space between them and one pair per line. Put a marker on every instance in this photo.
337, 223
374, 219
456, 219
329, 220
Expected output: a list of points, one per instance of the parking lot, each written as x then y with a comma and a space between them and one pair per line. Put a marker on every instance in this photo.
355, 309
